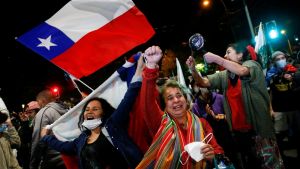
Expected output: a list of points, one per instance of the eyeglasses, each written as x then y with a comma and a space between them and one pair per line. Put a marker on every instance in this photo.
92, 109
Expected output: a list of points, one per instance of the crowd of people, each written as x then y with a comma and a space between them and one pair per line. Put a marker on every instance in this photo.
235, 118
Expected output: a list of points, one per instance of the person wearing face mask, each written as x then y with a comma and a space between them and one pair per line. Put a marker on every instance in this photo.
8, 138
104, 141
246, 105
279, 67
283, 80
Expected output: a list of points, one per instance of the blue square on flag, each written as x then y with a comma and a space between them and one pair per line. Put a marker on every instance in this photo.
46, 40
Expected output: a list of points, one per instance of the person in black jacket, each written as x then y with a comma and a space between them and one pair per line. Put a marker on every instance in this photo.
104, 141
25, 132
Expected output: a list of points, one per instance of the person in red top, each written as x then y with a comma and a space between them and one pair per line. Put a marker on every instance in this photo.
246, 105
176, 125
145, 118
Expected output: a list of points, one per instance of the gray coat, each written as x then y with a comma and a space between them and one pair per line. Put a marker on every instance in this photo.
47, 115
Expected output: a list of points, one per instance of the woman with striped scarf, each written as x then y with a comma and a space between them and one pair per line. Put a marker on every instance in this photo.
178, 128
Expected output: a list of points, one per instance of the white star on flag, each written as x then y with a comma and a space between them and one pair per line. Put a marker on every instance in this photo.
46, 43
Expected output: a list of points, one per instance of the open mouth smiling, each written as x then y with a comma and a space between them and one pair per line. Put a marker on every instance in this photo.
90, 117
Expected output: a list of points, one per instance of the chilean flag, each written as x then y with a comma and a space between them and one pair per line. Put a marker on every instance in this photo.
86, 35
113, 90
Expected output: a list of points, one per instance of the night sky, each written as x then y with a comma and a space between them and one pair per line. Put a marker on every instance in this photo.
24, 73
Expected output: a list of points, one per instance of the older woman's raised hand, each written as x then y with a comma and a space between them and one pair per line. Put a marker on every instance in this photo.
153, 55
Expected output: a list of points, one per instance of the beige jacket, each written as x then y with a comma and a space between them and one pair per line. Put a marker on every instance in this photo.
7, 139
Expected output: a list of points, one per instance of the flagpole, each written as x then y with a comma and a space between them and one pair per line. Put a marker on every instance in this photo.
73, 80
74, 83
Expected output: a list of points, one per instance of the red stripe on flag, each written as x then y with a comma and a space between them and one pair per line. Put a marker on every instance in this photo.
102, 46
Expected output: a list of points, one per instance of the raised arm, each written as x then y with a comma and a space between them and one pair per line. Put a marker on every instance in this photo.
12, 134
227, 64
121, 114
149, 93
201, 81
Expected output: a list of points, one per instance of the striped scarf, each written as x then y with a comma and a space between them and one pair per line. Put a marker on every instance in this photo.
168, 145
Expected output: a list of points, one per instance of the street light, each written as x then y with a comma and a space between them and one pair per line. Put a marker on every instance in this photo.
23, 106
205, 3
296, 38
283, 32
273, 34
272, 29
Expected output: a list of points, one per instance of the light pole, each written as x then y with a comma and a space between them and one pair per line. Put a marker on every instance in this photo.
206, 3
283, 32
247, 15
249, 19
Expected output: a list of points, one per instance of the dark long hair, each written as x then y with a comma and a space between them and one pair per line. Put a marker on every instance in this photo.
247, 51
106, 107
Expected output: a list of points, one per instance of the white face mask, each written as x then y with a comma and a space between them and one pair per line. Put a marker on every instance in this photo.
281, 63
92, 124
194, 149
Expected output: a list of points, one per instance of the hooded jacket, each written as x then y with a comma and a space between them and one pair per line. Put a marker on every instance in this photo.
47, 115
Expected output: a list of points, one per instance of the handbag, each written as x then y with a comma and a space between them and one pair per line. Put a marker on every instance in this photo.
268, 152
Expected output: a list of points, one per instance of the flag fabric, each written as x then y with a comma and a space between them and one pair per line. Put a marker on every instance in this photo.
181, 80
3, 107
112, 90
86, 35
261, 46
